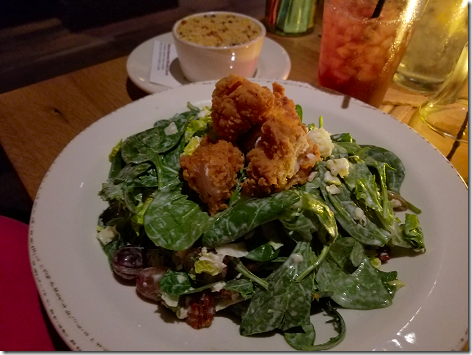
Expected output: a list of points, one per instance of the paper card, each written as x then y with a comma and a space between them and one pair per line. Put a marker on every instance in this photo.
162, 56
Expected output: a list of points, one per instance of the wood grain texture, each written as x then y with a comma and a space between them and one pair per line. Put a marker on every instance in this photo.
37, 121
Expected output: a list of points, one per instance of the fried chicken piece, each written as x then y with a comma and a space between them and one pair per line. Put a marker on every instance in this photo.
283, 154
239, 105
212, 171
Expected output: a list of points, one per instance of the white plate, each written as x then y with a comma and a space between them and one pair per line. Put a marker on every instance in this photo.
93, 311
274, 63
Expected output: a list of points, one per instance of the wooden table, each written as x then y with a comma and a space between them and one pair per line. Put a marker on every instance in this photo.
38, 121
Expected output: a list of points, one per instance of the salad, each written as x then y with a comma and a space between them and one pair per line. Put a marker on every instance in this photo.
272, 259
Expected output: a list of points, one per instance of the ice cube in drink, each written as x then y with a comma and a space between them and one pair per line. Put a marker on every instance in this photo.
359, 54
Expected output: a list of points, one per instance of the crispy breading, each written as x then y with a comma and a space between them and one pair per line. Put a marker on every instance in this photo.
266, 127
283, 155
212, 171
239, 105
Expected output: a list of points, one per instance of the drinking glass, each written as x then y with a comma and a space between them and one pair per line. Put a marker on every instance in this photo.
290, 17
361, 46
443, 118
435, 46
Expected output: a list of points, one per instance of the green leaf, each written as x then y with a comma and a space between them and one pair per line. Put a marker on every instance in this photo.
344, 212
354, 286
308, 215
173, 222
262, 253
245, 215
130, 172
116, 160
342, 137
285, 304
142, 146
175, 283
339, 326
413, 232
301, 336
243, 286
396, 174
299, 111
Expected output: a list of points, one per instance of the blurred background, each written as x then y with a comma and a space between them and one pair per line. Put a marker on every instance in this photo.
41, 39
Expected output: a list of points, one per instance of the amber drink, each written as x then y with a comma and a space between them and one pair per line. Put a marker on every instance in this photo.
360, 53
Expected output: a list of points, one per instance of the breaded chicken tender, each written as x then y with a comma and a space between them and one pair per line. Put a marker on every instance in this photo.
283, 155
212, 170
262, 124
238, 105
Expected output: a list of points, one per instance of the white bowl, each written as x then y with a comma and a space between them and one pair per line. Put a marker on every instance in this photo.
201, 63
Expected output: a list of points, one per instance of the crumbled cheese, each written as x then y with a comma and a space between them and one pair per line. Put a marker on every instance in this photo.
322, 137
338, 167
275, 245
182, 312
312, 176
106, 235
237, 250
171, 129
218, 286
203, 112
359, 216
170, 300
331, 179
333, 189
297, 258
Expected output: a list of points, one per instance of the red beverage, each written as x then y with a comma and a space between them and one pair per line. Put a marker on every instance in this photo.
359, 54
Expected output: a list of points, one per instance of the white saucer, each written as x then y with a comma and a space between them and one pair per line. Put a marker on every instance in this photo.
274, 63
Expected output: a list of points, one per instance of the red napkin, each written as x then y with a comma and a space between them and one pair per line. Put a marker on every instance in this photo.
22, 326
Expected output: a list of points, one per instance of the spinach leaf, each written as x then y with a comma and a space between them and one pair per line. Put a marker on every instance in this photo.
339, 326
285, 304
130, 172
396, 174
245, 215
344, 211
175, 283
148, 145
174, 222
159, 139
350, 148
241, 268
342, 137
171, 166
262, 253
308, 215
413, 232
243, 286
110, 248
349, 274
117, 162
388, 215
148, 180
301, 336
